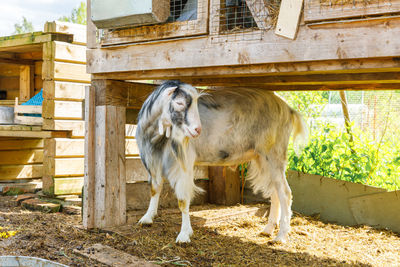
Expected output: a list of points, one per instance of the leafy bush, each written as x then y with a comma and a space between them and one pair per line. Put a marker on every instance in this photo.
330, 153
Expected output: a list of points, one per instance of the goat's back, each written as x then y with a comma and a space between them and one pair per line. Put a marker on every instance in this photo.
239, 121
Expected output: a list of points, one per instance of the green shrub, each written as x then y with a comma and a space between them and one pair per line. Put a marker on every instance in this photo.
330, 153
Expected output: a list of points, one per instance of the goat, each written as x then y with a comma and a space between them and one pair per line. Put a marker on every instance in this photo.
236, 126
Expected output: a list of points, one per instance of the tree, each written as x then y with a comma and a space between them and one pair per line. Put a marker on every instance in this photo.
78, 15
24, 27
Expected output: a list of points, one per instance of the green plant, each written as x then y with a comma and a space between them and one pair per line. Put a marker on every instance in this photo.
329, 153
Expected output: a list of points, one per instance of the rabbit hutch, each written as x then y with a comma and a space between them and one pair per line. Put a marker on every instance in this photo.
277, 45
42, 82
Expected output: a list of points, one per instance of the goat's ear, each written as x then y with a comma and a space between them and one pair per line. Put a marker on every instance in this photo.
170, 90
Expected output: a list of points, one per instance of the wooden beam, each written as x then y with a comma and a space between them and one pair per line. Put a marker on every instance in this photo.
35, 134
28, 39
109, 92
105, 174
327, 78
119, 93
26, 82
293, 68
311, 45
89, 190
91, 29
315, 11
322, 87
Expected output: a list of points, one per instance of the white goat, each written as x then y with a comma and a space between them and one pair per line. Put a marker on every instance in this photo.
237, 125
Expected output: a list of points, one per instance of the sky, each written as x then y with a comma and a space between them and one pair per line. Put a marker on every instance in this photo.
36, 11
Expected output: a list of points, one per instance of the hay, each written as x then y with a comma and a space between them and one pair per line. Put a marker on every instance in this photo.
222, 236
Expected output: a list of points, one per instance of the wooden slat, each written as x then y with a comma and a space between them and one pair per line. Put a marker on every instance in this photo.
49, 166
109, 92
138, 195
77, 127
78, 31
35, 134
38, 67
26, 120
65, 167
335, 44
55, 109
9, 70
65, 72
16, 144
11, 172
89, 189
288, 19
68, 185
91, 29
136, 172
64, 90
27, 39
66, 147
66, 52
26, 82
21, 156
314, 10
28, 109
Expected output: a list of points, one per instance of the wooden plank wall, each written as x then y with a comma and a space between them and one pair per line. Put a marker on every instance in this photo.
20, 159
65, 78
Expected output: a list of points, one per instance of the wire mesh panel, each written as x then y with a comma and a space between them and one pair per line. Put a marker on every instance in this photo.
236, 20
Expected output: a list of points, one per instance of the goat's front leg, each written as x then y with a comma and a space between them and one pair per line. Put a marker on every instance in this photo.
186, 228
153, 206
184, 190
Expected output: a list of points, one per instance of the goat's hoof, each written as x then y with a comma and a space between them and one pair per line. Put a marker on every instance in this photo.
183, 238
268, 230
145, 220
280, 238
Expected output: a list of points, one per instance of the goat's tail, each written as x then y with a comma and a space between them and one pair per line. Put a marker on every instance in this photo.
300, 133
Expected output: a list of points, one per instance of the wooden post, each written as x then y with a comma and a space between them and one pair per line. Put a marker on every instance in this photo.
224, 186
346, 115
26, 82
105, 175
49, 153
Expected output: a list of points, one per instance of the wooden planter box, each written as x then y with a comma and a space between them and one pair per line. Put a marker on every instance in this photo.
317, 10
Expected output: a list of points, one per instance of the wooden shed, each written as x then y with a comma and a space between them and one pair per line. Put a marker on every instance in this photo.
347, 45
53, 60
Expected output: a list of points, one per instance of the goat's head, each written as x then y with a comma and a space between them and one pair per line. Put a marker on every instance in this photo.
183, 114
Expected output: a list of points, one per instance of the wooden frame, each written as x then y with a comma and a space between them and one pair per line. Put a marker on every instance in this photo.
160, 31
315, 10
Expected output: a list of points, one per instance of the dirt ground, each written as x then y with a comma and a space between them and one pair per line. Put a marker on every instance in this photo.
217, 241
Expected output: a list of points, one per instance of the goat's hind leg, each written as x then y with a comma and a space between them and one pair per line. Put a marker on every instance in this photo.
285, 199
274, 214
156, 189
